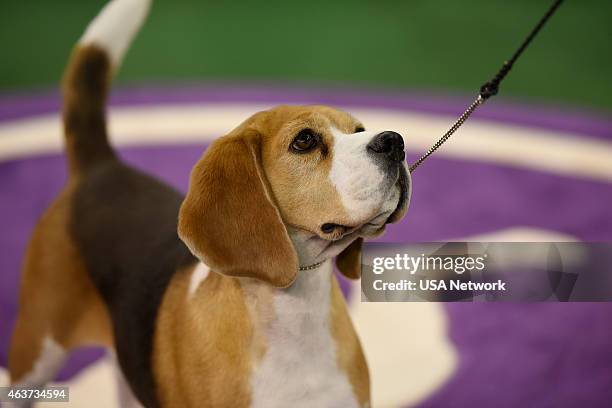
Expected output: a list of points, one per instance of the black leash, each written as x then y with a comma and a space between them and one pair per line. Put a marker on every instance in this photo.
490, 88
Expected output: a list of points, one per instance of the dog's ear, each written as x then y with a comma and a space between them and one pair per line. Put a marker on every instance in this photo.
229, 219
349, 260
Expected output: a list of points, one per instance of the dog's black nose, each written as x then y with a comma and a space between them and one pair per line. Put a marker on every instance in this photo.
388, 143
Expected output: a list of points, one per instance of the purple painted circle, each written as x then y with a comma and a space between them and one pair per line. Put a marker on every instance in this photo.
509, 354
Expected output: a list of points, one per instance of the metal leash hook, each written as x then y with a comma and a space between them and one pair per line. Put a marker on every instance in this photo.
490, 88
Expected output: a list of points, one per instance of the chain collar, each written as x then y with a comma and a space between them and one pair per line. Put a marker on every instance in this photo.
311, 267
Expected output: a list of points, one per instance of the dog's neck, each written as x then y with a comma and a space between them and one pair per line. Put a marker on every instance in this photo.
315, 265
308, 295
312, 252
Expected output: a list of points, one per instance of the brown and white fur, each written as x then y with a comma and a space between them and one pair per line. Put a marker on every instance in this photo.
223, 316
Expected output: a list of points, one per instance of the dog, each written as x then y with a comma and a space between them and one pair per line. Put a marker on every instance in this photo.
225, 297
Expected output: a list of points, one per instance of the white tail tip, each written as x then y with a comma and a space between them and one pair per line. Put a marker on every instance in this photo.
115, 27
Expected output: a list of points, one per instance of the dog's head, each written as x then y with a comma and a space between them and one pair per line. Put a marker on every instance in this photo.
312, 169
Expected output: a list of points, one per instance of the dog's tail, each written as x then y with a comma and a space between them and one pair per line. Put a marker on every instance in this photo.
87, 79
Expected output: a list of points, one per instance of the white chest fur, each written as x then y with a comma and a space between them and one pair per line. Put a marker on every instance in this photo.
299, 366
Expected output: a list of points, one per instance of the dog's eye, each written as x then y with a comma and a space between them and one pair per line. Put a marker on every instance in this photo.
359, 129
304, 141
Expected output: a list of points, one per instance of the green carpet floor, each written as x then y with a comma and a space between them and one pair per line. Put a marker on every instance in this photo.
433, 45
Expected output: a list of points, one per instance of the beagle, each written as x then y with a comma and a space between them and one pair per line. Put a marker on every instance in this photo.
222, 298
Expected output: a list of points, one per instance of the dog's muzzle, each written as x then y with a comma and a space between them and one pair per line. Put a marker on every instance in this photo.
388, 149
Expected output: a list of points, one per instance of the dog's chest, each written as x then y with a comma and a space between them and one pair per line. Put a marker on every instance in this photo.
299, 367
